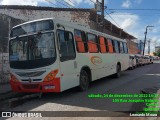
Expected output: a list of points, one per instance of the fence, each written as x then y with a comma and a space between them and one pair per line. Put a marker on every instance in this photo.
4, 67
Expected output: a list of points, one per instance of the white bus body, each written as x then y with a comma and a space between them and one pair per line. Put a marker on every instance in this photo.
63, 72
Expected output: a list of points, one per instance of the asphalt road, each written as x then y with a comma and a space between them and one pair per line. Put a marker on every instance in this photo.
130, 82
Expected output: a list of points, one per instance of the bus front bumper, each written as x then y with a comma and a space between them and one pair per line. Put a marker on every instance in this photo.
52, 86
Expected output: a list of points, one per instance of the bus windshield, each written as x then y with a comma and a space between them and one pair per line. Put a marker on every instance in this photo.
44, 25
32, 51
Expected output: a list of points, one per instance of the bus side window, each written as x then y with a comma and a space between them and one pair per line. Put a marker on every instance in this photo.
80, 41
107, 46
92, 43
125, 47
113, 44
66, 42
110, 46
116, 46
121, 47
102, 43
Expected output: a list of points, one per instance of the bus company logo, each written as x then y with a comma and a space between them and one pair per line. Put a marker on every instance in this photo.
30, 80
96, 60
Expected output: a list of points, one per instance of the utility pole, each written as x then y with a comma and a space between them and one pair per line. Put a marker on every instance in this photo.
140, 47
102, 12
99, 6
145, 37
97, 11
149, 47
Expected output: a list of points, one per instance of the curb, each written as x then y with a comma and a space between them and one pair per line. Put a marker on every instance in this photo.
10, 95
3, 93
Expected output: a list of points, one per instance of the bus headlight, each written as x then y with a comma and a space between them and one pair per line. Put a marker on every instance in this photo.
13, 78
51, 76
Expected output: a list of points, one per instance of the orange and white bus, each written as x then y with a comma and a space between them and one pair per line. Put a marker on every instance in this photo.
51, 55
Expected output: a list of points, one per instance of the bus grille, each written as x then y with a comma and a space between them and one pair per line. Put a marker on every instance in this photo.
30, 74
30, 86
27, 80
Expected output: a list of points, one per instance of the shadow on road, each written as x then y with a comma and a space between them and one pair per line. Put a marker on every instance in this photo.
130, 83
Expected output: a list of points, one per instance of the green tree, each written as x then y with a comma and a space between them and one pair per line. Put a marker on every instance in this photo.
158, 53
154, 53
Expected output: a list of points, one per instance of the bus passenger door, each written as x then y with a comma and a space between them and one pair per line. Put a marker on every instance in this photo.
67, 56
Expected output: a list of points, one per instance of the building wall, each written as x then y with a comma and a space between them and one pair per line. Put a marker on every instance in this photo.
4, 68
132, 47
83, 17
157, 48
27, 15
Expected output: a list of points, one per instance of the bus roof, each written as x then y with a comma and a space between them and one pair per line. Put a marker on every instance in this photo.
81, 27
32, 21
73, 25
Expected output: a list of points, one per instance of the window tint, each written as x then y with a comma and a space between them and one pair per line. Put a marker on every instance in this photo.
107, 46
110, 46
80, 41
92, 43
102, 44
121, 47
125, 48
18, 49
32, 27
113, 44
66, 45
116, 46
131, 57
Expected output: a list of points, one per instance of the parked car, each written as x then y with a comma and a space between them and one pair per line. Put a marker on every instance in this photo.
142, 61
138, 60
155, 58
151, 59
147, 59
132, 62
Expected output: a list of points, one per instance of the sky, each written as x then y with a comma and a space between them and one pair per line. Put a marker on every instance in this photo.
123, 13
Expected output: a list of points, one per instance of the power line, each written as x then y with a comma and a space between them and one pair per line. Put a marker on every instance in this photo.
68, 3
61, 3
92, 1
112, 19
79, 10
136, 9
109, 15
74, 4
132, 14
51, 3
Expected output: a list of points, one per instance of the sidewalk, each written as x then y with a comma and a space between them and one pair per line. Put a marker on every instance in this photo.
5, 88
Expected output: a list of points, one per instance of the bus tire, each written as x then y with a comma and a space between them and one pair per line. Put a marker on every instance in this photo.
132, 67
118, 71
84, 80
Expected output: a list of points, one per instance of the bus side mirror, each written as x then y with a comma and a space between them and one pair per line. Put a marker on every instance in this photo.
58, 25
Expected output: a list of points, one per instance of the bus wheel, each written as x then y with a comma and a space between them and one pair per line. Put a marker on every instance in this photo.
118, 71
132, 68
84, 80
